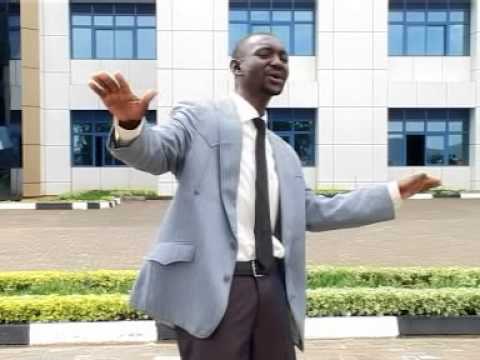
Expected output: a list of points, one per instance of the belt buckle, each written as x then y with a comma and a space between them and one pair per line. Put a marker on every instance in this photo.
254, 269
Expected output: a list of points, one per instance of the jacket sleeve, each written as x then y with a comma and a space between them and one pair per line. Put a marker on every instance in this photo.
161, 148
357, 208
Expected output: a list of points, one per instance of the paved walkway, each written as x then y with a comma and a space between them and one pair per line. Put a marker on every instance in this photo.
379, 349
426, 232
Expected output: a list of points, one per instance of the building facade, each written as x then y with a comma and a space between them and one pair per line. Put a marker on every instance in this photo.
378, 89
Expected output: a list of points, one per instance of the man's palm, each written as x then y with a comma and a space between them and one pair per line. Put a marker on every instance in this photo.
119, 99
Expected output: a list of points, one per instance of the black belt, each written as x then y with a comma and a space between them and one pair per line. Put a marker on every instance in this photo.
252, 268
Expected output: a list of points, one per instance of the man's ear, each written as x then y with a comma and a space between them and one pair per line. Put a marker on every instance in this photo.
235, 67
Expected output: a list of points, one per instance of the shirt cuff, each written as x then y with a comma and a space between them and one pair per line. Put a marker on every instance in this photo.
124, 136
395, 194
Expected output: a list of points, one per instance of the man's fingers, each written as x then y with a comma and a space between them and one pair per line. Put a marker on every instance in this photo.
96, 88
106, 81
121, 81
147, 97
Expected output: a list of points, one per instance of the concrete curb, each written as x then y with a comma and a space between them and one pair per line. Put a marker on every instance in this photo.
74, 205
315, 328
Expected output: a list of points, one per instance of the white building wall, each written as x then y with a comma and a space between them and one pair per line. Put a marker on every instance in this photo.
352, 82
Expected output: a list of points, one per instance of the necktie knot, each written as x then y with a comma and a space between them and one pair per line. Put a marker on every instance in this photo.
259, 124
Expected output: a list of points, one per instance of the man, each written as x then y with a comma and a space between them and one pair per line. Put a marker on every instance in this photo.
228, 267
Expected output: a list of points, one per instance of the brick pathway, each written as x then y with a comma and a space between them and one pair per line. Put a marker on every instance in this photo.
436, 232
461, 348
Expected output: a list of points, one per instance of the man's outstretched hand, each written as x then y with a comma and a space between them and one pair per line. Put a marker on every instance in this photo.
417, 183
119, 99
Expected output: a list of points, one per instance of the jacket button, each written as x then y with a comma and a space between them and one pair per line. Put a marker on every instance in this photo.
196, 192
226, 278
232, 246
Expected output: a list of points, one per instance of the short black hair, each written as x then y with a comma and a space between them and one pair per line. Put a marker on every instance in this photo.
238, 50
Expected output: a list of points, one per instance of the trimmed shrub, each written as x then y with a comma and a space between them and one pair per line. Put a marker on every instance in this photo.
390, 301
407, 277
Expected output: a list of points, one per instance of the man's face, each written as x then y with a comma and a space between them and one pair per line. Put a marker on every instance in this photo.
264, 66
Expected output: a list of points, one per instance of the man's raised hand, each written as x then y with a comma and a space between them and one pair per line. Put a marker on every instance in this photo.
119, 99
417, 183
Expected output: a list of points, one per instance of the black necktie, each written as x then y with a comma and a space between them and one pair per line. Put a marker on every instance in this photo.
262, 228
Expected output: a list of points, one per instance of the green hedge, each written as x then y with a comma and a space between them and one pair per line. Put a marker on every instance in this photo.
390, 301
407, 277
66, 282
321, 302
121, 281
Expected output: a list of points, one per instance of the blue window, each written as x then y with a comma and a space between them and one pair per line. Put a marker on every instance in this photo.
14, 30
428, 137
429, 28
292, 21
90, 130
113, 31
296, 127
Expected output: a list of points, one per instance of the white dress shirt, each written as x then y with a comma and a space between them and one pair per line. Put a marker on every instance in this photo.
246, 185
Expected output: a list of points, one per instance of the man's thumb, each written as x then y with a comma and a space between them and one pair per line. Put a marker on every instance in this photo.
147, 97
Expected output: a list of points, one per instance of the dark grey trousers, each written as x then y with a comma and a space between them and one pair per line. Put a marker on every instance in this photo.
255, 325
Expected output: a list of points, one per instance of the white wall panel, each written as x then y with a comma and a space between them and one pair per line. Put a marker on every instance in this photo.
325, 128
353, 88
85, 178
82, 70
353, 163
192, 49
57, 127
353, 50
193, 15
353, 126
192, 84
57, 163
402, 94
431, 94
56, 95
56, 53
353, 15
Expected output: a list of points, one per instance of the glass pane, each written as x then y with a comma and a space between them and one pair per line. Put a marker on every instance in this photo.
81, 128
124, 44
263, 16
458, 15
282, 125
304, 148
125, 20
238, 15
104, 44
303, 39
145, 9
82, 43
260, 4
456, 150
82, 150
261, 29
435, 150
395, 40
415, 15
304, 16
436, 40
437, 16
282, 4
85, 20
436, 126
396, 144
283, 33
416, 40
13, 20
415, 126
146, 44
455, 126
395, 126
14, 41
102, 127
124, 9
146, 21
456, 36
237, 31
103, 20
282, 16
395, 15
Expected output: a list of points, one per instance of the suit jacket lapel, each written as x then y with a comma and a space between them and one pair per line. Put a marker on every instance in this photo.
230, 154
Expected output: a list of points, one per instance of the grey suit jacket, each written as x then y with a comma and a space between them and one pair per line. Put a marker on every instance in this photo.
185, 279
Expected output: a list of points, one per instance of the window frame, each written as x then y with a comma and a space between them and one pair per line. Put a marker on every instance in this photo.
271, 23
290, 115
137, 12
93, 118
451, 115
447, 25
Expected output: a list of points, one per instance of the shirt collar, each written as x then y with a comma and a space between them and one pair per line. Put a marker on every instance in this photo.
245, 110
